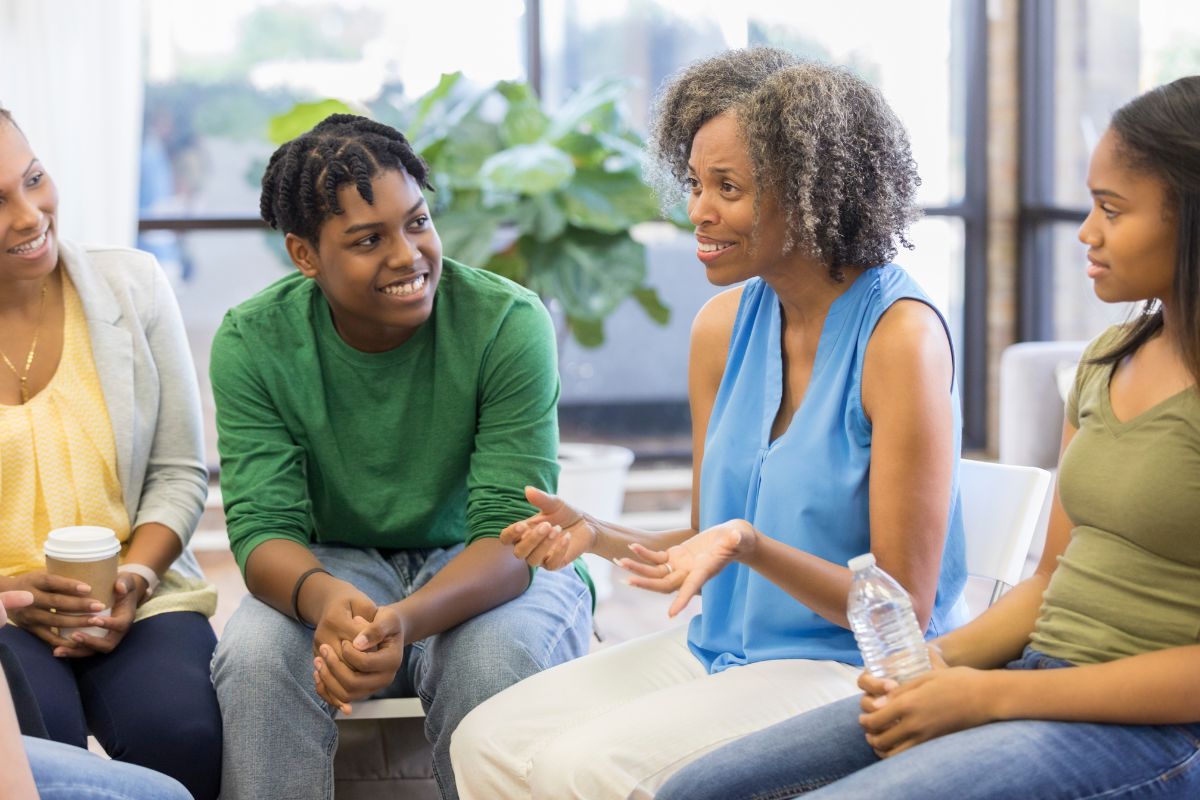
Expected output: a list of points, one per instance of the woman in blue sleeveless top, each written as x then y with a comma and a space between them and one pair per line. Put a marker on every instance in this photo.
826, 424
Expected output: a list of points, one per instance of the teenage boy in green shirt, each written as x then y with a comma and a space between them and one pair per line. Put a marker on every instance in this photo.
379, 413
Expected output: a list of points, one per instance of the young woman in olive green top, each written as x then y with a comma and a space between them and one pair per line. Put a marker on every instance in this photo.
1101, 645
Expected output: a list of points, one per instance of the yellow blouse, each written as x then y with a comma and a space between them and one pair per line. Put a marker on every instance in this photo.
58, 458
58, 467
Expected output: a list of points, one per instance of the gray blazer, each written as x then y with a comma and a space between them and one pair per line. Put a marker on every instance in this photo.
149, 385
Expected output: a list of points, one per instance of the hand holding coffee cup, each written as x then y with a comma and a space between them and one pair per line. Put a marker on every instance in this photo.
88, 554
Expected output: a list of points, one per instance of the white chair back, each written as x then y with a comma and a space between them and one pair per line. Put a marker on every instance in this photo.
1002, 509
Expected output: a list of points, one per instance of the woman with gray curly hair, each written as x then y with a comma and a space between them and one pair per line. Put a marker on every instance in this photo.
826, 424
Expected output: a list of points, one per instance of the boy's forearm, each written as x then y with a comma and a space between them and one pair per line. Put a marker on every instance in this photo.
483, 576
272, 570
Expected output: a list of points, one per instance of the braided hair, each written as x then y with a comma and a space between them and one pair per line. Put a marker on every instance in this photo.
301, 182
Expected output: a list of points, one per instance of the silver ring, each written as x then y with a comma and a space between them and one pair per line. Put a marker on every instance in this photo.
670, 569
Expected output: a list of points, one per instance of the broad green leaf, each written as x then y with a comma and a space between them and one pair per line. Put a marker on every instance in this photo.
528, 169
628, 149
608, 201
432, 100
467, 237
511, 264
588, 332
585, 149
523, 124
447, 117
302, 118
549, 220
540, 216
465, 153
516, 92
647, 297
589, 273
593, 103
524, 121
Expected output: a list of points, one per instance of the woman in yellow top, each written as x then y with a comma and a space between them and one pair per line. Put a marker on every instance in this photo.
100, 425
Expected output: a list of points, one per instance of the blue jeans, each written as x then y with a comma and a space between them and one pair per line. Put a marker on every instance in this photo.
63, 772
1021, 758
149, 702
280, 736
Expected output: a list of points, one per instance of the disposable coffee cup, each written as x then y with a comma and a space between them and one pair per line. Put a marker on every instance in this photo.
88, 554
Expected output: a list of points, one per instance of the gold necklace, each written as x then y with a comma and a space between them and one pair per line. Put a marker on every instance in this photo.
23, 375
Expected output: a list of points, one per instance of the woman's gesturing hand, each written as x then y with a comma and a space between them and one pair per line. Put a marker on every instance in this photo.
686, 567
553, 537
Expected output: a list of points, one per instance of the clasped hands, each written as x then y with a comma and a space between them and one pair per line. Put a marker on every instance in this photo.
357, 647
61, 605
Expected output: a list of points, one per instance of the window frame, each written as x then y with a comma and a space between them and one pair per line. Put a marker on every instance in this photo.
1038, 213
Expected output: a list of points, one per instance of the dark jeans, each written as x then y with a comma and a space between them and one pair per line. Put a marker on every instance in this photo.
150, 702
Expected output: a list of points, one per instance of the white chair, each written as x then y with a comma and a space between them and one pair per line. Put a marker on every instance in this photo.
1002, 510
1031, 413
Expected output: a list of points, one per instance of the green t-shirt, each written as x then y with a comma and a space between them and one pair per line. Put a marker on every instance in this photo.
426, 445
1129, 580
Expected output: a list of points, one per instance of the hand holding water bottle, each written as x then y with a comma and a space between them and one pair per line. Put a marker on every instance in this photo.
911, 696
943, 700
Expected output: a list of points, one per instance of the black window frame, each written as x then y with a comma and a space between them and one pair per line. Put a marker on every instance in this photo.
1038, 212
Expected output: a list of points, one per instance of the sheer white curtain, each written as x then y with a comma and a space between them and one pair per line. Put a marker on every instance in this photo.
72, 78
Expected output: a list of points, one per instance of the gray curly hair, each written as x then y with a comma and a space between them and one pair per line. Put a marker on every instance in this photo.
821, 140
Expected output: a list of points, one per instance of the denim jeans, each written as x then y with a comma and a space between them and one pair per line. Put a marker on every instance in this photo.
1020, 758
280, 736
63, 772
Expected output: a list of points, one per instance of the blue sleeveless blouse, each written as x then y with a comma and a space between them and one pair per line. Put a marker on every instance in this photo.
808, 488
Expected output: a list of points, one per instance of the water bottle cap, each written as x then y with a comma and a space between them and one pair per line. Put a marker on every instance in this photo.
859, 563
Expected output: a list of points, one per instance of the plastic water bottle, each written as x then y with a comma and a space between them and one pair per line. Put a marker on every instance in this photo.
881, 616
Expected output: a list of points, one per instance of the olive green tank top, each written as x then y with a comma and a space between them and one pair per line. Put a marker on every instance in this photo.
1129, 580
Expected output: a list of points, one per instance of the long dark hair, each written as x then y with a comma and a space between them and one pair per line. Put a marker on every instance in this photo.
1157, 132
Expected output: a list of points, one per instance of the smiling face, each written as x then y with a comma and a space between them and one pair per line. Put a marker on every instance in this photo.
377, 264
1131, 230
28, 204
721, 206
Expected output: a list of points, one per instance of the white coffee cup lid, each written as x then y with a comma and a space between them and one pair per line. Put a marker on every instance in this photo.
82, 543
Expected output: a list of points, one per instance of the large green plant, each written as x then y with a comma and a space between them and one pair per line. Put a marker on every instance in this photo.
546, 198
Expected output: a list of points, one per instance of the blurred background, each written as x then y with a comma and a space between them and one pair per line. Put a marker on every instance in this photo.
153, 117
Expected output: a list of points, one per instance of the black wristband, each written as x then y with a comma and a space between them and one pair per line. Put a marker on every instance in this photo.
296, 595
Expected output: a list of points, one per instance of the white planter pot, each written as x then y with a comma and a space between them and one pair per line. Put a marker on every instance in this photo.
592, 478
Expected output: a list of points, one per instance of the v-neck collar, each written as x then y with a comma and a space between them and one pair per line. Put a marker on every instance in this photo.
825, 344
1116, 426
